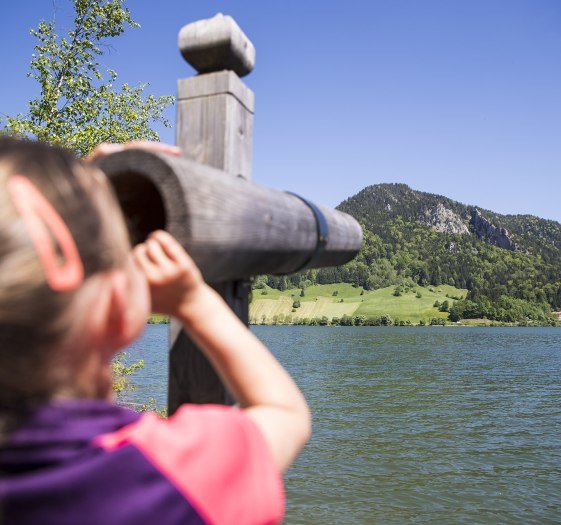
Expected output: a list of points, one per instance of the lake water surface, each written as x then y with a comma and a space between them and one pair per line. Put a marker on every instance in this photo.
415, 425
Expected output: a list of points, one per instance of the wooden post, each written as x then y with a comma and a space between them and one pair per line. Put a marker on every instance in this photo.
215, 108
214, 127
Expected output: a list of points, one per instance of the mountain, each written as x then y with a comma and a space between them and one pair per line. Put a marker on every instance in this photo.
511, 264
380, 203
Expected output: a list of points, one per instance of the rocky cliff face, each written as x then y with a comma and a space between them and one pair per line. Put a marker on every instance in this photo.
496, 236
375, 206
444, 220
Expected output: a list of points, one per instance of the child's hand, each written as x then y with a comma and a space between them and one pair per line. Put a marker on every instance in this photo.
174, 279
105, 148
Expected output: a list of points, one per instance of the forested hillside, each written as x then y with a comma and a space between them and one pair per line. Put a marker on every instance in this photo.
510, 264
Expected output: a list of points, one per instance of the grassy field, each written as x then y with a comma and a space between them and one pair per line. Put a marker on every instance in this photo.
336, 300
158, 319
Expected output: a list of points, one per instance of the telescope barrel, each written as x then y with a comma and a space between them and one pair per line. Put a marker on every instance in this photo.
233, 229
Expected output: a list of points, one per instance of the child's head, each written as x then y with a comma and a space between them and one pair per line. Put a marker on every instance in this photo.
46, 335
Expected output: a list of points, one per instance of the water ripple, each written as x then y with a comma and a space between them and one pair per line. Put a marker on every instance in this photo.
426, 425
416, 425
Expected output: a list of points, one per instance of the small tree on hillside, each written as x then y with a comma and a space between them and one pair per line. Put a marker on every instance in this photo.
445, 306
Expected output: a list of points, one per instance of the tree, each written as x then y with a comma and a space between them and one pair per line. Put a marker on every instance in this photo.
445, 306
386, 320
456, 313
359, 320
80, 106
121, 372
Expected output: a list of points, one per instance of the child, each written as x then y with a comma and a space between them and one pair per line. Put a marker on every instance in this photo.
72, 293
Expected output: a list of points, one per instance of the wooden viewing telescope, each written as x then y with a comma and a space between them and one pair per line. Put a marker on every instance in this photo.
232, 228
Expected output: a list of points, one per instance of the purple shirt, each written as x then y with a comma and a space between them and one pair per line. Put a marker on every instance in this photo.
91, 462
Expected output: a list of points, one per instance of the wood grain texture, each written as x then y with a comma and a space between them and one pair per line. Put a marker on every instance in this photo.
219, 83
215, 122
233, 229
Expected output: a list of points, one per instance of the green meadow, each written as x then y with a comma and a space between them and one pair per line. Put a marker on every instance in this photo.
158, 319
415, 303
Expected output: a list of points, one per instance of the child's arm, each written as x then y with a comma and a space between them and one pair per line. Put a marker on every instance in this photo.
259, 383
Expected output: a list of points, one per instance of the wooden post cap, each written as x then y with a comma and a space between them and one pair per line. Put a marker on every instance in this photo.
216, 44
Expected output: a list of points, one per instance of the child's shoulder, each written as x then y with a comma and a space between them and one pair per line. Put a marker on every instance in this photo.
205, 463
213, 454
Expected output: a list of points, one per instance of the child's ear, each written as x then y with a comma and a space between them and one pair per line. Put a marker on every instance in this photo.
119, 330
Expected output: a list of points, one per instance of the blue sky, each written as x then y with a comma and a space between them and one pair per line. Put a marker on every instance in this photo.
460, 98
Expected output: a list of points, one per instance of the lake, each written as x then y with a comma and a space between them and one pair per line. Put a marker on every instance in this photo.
415, 425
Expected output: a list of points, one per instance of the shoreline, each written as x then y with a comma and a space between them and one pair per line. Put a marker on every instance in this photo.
450, 325
160, 319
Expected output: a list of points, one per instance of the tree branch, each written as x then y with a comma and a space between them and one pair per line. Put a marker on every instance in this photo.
71, 53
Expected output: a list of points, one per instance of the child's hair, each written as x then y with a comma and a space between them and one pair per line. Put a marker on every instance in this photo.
33, 317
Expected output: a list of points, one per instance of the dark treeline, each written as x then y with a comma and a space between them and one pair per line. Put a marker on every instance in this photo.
354, 320
401, 247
